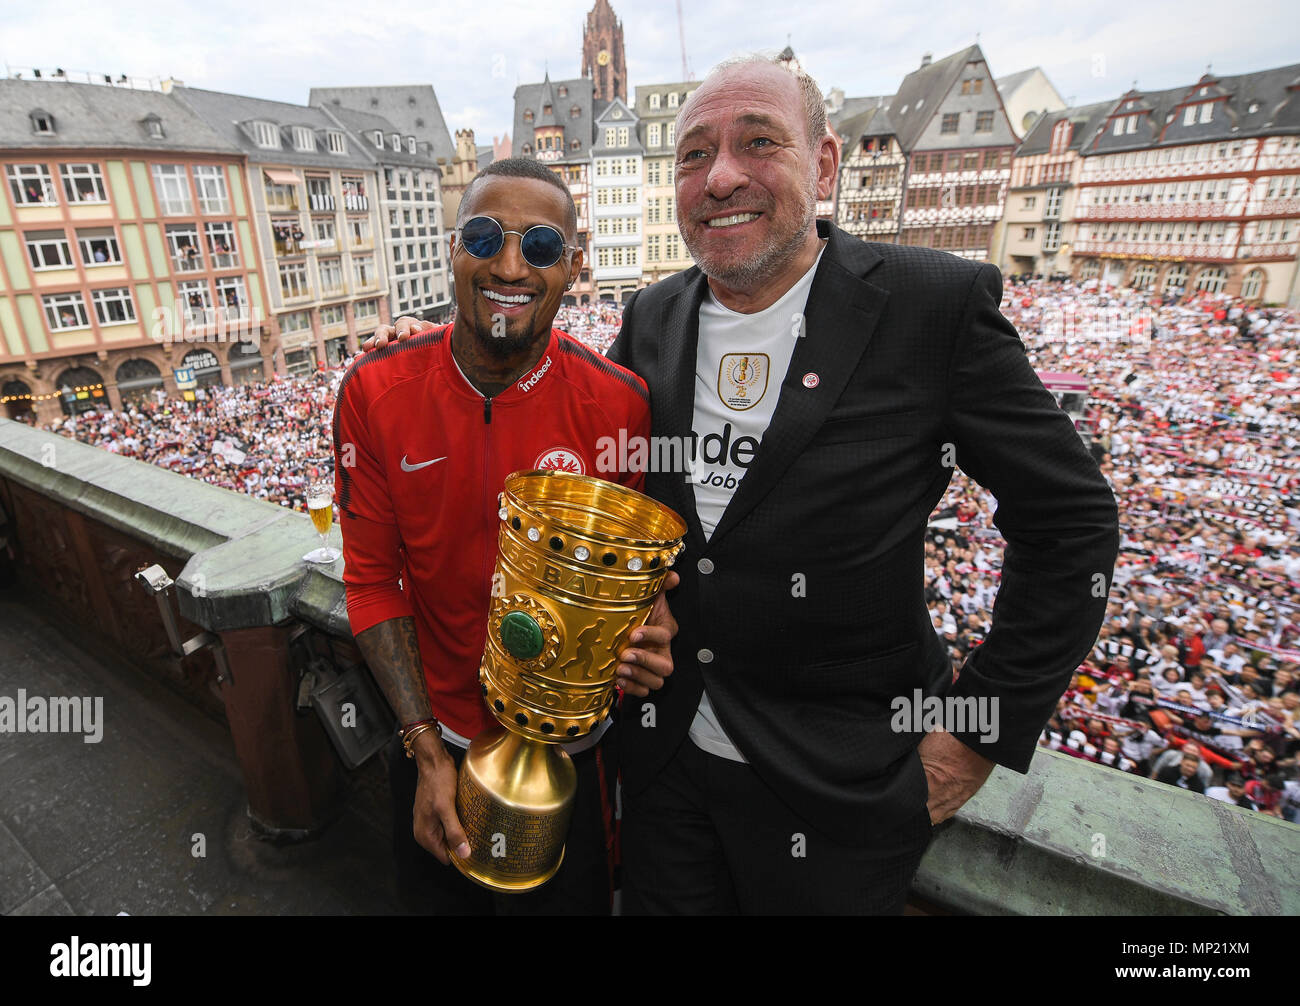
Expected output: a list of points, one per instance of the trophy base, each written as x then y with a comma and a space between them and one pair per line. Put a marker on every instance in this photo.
494, 882
514, 798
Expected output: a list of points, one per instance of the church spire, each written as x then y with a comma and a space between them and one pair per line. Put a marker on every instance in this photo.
603, 58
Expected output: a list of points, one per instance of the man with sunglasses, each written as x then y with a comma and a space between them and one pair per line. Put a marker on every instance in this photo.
832, 386
425, 434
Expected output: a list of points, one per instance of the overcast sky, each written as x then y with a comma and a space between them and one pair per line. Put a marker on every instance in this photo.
474, 53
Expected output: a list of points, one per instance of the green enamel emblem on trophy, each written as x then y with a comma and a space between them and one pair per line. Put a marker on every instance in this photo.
521, 635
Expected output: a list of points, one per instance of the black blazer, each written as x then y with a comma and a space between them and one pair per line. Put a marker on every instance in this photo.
914, 363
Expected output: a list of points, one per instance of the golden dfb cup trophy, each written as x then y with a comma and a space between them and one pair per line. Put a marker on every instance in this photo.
579, 562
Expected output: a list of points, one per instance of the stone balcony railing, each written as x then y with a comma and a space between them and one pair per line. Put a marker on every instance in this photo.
1068, 838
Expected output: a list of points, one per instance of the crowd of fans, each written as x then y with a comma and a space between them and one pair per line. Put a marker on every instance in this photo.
268, 440
594, 324
1194, 418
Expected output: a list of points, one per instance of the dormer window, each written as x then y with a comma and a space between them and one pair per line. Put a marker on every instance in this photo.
266, 135
654, 101
303, 138
379, 139
153, 127
564, 91
546, 109
528, 115
672, 100
397, 143
42, 123
410, 144
336, 142
374, 102
575, 112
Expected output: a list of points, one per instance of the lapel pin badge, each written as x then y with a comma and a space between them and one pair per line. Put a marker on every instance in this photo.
811, 380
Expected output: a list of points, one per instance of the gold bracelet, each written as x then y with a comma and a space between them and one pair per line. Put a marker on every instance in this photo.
409, 734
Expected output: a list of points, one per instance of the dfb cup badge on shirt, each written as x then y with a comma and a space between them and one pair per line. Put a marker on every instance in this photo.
742, 380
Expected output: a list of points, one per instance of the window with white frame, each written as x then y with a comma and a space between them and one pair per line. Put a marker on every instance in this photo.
669, 140
83, 183
331, 275
173, 189
652, 173
183, 245
622, 136
602, 167
401, 290
48, 250
210, 182
364, 310
1052, 236
629, 166
654, 134
1253, 285
320, 195
602, 227
65, 311
336, 142
266, 135
293, 280
98, 246
1207, 111
1053, 207
31, 185
1189, 115
672, 99
113, 307
359, 231
295, 321
397, 143
196, 300
616, 256
410, 144
303, 138
378, 138
221, 244
610, 135
332, 315
654, 101
363, 271
602, 257
231, 298
652, 248
43, 123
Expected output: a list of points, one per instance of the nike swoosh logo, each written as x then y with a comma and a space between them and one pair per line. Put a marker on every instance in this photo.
422, 464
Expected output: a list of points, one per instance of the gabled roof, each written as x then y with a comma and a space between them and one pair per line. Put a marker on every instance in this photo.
1270, 93
616, 114
412, 108
922, 92
1087, 119
229, 115
528, 97
1008, 84
853, 108
361, 127
95, 115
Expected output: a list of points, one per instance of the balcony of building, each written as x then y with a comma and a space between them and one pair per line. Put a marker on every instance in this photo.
229, 736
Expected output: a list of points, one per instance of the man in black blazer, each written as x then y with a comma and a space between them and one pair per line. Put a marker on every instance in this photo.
773, 771
802, 617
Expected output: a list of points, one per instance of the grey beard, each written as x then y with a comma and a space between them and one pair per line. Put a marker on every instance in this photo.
750, 275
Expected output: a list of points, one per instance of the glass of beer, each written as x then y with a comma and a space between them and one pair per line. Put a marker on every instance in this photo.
320, 505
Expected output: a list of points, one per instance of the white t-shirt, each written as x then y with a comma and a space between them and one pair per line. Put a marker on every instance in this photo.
739, 366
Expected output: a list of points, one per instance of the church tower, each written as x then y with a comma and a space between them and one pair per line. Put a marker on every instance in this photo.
603, 59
